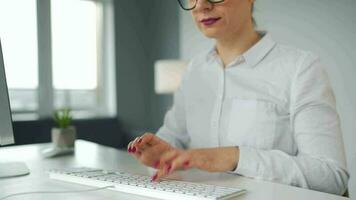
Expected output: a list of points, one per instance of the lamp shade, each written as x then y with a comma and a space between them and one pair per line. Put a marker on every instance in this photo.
168, 75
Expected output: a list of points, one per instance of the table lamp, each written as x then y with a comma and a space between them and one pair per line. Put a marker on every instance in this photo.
168, 75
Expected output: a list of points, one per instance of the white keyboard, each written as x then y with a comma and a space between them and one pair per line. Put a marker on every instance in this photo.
142, 185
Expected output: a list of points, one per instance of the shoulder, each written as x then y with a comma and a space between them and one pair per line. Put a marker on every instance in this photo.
291, 60
294, 55
302, 58
305, 66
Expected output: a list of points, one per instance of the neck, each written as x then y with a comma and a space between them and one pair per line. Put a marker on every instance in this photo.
236, 44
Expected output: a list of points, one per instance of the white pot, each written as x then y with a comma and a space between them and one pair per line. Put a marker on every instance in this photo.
64, 137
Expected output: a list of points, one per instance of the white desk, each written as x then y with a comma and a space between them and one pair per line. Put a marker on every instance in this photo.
93, 155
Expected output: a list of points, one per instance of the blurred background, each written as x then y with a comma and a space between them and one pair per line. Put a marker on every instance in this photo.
98, 58
95, 56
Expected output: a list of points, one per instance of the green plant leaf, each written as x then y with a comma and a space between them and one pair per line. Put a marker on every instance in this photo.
62, 118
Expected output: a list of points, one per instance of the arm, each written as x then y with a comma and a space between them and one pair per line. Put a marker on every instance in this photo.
220, 159
320, 162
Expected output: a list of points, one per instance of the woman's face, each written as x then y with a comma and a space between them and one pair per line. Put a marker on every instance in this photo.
224, 19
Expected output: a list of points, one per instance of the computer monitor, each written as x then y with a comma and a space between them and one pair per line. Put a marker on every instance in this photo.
6, 131
9, 169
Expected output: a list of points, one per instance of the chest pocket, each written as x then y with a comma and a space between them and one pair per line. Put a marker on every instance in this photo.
252, 123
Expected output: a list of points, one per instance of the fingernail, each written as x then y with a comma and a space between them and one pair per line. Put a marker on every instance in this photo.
154, 177
140, 140
129, 150
186, 163
169, 168
156, 164
133, 149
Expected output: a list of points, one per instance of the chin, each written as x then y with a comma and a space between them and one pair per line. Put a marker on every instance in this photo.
211, 34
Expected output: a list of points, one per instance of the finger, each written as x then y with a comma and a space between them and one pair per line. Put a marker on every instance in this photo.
167, 158
149, 138
140, 147
129, 147
143, 142
154, 177
181, 162
166, 164
137, 154
135, 140
139, 151
138, 143
134, 147
148, 157
173, 160
177, 162
156, 164
161, 172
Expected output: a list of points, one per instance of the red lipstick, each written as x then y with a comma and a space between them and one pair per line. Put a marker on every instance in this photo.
209, 21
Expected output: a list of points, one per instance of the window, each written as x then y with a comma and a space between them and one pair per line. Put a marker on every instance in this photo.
19, 39
54, 56
74, 53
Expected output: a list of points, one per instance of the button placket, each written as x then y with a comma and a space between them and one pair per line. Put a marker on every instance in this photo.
218, 105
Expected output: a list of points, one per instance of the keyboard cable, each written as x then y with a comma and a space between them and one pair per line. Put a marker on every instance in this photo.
55, 192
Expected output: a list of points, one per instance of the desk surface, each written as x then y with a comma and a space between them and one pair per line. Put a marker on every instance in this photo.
93, 155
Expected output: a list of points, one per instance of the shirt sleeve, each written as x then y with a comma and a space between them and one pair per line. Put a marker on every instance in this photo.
174, 130
320, 162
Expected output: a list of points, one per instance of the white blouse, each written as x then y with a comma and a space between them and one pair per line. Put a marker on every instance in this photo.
275, 102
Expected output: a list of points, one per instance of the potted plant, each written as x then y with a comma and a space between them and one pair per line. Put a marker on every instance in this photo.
64, 134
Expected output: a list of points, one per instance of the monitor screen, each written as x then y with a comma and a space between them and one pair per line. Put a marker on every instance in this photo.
6, 131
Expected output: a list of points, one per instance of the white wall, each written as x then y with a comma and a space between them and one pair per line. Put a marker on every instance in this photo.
326, 27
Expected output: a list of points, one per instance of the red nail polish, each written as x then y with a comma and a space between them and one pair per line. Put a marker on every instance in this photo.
169, 168
186, 164
140, 140
154, 177
133, 149
156, 164
129, 150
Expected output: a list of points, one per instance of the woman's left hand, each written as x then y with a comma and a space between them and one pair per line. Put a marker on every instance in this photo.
220, 159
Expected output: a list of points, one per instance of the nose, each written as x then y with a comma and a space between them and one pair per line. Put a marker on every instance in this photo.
203, 5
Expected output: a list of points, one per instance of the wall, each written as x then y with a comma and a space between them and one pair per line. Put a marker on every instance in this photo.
326, 27
145, 31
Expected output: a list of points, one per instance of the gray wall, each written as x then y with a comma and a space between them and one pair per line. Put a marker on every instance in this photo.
326, 27
145, 31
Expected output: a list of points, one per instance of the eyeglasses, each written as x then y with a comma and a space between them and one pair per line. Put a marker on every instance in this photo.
191, 4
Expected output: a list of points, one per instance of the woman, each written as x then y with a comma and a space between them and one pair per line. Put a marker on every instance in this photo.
249, 106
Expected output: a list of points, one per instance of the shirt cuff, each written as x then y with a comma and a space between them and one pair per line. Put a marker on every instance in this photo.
172, 141
248, 164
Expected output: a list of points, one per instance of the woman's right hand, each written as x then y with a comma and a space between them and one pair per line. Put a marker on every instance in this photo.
148, 149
